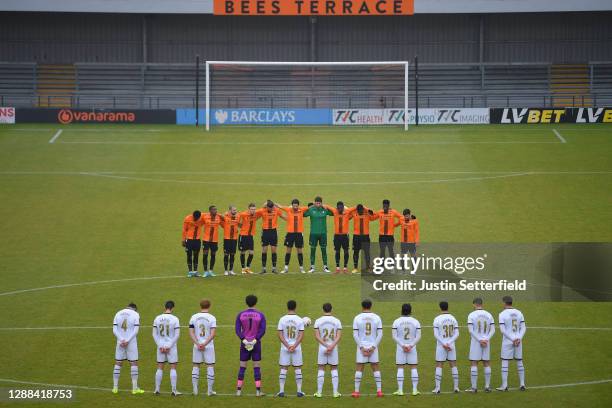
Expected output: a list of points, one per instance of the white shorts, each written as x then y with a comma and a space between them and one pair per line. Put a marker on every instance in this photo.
206, 356
372, 358
129, 353
443, 355
479, 353
402, 357
324, 358
290, 359
169, 357
509, 352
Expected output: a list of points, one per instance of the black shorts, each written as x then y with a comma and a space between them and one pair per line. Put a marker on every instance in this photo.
193, 244
359, 240
341, 241
408, 247
269, 237
213, 246
245, 243
294, 238
386, 238
229, 246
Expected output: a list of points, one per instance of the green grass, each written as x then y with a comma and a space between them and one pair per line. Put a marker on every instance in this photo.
106, 202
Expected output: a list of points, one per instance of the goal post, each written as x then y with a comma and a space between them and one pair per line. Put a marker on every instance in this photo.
349, 92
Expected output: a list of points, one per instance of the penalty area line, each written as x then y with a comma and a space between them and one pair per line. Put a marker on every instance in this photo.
55, 136
92, 388
561, 138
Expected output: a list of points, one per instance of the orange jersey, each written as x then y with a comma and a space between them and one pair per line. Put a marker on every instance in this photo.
387, 221
191, 228
341, 221
211, 227
230, 225
295, 218
270, 219
410, 231
361, 223
249, 223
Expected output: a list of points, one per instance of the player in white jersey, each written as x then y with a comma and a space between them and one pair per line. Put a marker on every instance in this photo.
446, 332
481, 327
125, 328
290, 333
406, 332
166, 331
202, 330
328, 332
367, 333
512, 327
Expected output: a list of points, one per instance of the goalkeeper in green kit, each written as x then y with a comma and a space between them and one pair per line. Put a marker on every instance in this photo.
318, 232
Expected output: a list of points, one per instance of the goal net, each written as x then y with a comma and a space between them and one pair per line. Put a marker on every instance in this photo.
306, 93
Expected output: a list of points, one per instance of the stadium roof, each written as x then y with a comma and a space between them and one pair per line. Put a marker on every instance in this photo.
206, 6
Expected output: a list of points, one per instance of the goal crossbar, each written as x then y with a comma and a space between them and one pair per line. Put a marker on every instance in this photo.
405, 64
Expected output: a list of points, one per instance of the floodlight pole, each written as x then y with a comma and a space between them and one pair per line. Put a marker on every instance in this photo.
207, 97
406, 77
416, 90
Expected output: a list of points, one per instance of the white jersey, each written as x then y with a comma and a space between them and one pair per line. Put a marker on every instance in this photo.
406, 330
481, 324
290, 325
446, 328
126, 324
367, 329
328, 327
203, 323
166, 329
512, 324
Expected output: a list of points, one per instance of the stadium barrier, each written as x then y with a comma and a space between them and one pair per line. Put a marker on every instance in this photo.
7, 115
256, 116
551, 115
427, 116
68, 116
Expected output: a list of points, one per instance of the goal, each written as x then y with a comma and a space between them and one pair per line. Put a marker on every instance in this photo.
306, 93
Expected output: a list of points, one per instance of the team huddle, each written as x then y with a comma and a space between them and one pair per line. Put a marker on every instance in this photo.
201, 231
250, 328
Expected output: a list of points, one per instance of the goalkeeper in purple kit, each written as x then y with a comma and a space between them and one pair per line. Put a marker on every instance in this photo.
250, 328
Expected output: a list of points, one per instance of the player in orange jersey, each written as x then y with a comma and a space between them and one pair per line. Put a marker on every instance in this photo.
212, 222
342, 216
248, 227
190, 240
231, 220
387, 218
269, 235
361, 235
295, 232
409, 235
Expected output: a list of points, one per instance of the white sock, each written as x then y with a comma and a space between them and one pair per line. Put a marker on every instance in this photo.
415, 379
158, 378
298, 379
487, 376
116, 374
334, 376
195, 378
378, 380
438, 377
504, 373
210, 378
173, 379
358, 375
320, 381
474, 376
134, 374
281, 379
400, 379
455, 372
521, 372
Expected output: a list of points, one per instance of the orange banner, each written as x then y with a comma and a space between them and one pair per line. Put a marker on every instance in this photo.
313, 7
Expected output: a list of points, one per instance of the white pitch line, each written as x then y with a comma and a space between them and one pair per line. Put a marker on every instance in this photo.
358, 183
561, 138
342, 143
106, 389
227, 326
55, 136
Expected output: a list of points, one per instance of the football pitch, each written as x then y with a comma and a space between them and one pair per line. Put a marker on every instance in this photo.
92, 216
